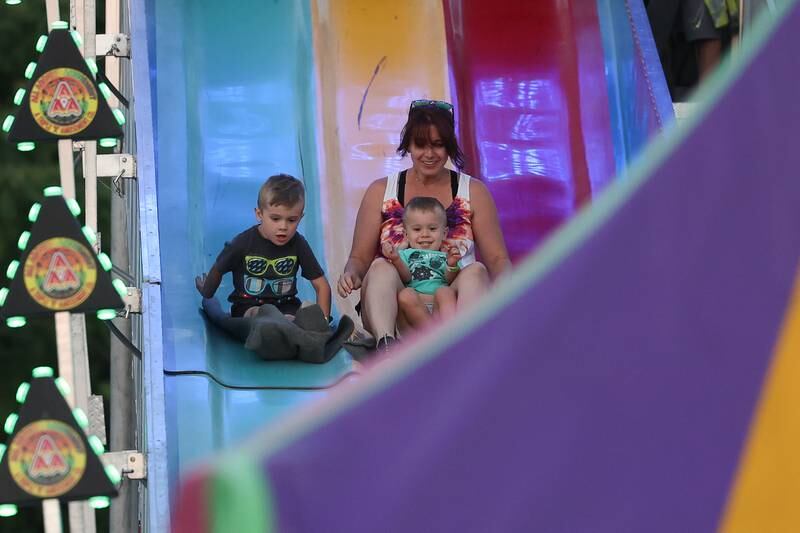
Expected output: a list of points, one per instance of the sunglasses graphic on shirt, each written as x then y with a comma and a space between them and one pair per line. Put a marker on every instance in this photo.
258, 266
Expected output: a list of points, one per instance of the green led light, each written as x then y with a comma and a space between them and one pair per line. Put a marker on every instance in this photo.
122, 290
76, 36
13, 3
74, 208
89, 234
108, 142
3, 296
16, 321
22, 243
7, 123
80, 417
97, 446
59, 25
2, 451
43, 372
53, 190
11, 423
22, 391
104, 89
105, 261
40, 42
92, 65
33, 214
12, 269
106, 314
19, 96
63, 386
30, 69
8, 509
119, 116
27, 146
113, 474
99, 502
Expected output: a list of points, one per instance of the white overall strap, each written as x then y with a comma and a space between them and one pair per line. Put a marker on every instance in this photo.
463, 186
391, 187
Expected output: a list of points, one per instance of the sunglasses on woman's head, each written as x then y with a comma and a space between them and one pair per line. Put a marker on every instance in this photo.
416, 104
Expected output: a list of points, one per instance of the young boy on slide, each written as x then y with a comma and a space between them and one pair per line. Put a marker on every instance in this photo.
265, 259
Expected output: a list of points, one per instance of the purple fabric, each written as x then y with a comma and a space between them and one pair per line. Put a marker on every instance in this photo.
615, 394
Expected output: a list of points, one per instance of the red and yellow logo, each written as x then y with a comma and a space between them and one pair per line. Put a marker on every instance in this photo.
60, 274
47, 458
63, 101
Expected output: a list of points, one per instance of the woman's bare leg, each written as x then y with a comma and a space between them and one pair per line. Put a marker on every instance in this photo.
444, 300
413, 308
471, 284
379, 298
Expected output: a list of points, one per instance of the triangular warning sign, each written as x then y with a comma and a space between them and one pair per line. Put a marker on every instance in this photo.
48, 455
59, 270
63, 99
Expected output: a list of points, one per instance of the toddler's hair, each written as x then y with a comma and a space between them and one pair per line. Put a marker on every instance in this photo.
425, 203
281, 189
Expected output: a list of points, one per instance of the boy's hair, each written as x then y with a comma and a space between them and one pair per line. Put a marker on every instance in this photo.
425, 203
281, 189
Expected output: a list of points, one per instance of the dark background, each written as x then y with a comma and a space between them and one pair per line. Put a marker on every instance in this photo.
23, 175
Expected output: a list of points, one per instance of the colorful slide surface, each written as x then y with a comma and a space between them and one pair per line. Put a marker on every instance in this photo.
320, 89
638, 374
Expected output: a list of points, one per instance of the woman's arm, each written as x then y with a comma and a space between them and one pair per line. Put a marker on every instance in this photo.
365, 239
323, 290
486, 230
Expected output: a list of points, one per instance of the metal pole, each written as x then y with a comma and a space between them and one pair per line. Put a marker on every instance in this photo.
124, 515
51, 510
81, 515
51, 7
89, 32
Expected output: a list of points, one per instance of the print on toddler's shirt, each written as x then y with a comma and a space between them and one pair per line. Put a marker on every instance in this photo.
258, 266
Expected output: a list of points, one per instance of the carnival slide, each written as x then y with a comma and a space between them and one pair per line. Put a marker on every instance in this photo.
552, 99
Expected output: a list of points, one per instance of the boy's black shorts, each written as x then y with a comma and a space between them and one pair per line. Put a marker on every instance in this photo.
287, 306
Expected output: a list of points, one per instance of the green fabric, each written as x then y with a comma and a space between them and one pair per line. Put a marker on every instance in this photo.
723, 12
427, 269
240, 499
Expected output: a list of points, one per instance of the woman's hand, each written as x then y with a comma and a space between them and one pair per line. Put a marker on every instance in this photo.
348, 282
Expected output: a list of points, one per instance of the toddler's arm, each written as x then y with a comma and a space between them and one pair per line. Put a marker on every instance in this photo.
207, 284
390, 253
453, 257
323, 290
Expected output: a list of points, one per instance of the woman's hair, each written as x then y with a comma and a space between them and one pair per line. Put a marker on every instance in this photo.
281, 189
418, 129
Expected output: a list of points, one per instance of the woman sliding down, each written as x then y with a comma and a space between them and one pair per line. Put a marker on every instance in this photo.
429, 138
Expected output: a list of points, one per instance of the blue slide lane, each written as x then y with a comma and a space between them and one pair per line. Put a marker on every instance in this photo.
235, 103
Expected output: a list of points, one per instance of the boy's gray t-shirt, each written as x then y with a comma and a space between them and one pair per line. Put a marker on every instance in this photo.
264, 270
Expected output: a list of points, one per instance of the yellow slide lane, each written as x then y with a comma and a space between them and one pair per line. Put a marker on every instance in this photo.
394, 52
765, 495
